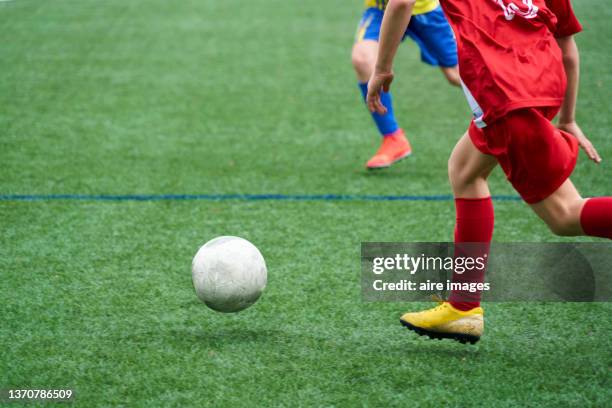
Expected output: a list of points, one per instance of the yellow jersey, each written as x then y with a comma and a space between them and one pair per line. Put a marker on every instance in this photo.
421, 6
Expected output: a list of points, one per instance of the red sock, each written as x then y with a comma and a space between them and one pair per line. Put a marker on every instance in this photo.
474, 225
596, 217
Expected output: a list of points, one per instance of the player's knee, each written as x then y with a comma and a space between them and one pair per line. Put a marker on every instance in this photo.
565, 221
563, 227
464, 178
361, 60
456, 171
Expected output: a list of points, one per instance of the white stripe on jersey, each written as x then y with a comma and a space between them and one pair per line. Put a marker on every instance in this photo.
474, 106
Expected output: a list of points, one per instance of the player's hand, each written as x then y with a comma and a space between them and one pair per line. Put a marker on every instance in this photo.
586, 145
380, 81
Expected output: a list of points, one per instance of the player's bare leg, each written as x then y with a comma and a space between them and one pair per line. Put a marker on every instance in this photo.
363, 58
568, 214
468, 170
452, 75
561, 210
461, 317
394, 145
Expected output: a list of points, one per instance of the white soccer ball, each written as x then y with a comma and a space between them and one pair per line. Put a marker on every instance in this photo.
229, 274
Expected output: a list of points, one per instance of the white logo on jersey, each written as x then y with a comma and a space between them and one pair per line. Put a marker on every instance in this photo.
512, 9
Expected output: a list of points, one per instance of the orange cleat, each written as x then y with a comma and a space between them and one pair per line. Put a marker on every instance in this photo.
394, 148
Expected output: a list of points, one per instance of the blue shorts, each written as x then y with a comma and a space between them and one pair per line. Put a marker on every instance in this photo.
430, 31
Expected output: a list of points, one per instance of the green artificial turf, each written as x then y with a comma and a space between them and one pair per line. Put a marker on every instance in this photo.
251, 97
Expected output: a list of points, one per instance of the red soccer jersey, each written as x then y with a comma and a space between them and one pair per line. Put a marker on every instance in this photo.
567, 23
508, 55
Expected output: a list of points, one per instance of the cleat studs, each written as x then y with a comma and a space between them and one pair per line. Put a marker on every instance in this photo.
460, 337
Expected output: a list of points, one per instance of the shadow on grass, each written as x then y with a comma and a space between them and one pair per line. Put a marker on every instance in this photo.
408, 347
385, 173
230, 336
446, 349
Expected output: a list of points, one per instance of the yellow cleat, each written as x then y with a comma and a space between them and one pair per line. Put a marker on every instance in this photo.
446, 322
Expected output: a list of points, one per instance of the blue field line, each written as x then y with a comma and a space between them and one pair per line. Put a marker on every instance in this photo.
233, 197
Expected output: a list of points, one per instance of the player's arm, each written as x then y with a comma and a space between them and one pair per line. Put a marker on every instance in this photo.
567, 115
571, 62
395, 21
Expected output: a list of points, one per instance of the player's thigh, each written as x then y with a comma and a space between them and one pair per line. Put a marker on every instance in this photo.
452, 75
365, 48
561, 210
467, 164
434, 36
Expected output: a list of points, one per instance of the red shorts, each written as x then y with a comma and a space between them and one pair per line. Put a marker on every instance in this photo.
536, 156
